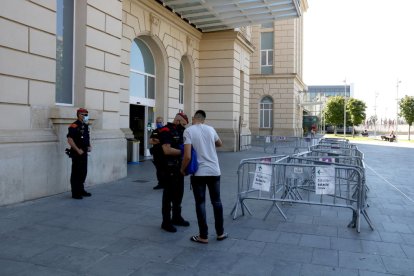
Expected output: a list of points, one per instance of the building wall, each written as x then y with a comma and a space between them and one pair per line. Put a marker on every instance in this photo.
285, 86
171, 40
224, 84
33, 127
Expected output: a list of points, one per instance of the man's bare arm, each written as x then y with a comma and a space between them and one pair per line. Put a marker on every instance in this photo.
168, 150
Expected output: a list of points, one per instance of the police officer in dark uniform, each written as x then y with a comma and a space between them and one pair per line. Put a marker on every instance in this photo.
79, 141
171, 137
158, 157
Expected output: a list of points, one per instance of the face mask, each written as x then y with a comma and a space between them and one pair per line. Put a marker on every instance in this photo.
159, 125
86, 119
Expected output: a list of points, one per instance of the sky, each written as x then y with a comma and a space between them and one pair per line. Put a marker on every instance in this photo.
368, 43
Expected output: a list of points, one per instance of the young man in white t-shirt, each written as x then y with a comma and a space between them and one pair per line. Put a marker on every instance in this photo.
204, 140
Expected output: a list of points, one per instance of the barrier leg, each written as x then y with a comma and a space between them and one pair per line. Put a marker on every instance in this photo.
278, 208
242, 205
365, 214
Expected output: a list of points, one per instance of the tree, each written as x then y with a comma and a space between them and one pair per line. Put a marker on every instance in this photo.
334, 111
356, 109
407, 111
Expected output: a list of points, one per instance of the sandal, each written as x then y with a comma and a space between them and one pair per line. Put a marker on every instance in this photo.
223, 237
198, 239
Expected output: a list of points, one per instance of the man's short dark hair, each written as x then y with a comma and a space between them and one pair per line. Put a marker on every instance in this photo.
200, 114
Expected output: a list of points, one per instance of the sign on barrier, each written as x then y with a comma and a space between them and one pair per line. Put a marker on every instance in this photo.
262, 177
325, 181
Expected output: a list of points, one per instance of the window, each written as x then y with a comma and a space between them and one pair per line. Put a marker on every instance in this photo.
64, 51
266, 112
266, 53
181, 85
142, 71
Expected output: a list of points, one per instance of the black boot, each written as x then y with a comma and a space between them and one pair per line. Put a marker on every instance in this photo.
168, 227
159, 186
177, 219
180, 222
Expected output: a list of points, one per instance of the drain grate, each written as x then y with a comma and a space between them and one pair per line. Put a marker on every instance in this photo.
141, 181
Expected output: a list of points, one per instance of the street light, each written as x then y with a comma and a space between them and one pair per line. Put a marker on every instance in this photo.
375, 114
396, 116
344, 108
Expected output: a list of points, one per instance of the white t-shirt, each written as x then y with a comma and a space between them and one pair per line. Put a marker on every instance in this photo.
203, 137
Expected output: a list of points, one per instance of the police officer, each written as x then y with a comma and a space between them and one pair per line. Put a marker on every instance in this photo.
157, 152
171, 138
79, 141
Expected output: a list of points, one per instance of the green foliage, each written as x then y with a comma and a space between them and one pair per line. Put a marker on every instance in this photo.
407, 109
356, 108
334, 111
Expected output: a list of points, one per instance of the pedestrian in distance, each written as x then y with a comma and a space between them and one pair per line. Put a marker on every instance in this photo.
171, 139
157, 153
80, 145
313, 131
204, 139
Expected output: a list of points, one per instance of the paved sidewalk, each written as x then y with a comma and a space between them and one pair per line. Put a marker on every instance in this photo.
117, 230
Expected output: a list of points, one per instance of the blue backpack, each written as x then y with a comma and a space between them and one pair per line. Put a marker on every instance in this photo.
192, 167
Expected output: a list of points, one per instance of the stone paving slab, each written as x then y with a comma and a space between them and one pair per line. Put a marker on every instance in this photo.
117, 230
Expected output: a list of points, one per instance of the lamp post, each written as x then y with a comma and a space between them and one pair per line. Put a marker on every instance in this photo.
344, 108
396, 115
375, 114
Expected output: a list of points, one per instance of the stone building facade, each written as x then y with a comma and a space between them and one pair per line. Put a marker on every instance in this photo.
126, 61
276, 85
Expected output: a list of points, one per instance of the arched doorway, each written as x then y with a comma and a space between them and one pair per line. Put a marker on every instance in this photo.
146, 89
186, 86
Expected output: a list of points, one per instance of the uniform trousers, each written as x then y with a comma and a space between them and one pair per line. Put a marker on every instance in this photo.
79, 172
173, 193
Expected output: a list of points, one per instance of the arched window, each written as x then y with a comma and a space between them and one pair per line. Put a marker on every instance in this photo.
266, 112
142, 71
181, 88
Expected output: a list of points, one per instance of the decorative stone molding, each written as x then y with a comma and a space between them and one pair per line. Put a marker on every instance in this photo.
190, 44
155, 24
243, 31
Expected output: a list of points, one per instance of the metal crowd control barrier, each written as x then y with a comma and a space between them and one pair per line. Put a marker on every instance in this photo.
307, 142
350, 161
342, 150
278, 144
304, 181
281, 143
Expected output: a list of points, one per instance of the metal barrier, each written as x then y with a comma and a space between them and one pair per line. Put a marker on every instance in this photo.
278, 144
339, 150
305, 181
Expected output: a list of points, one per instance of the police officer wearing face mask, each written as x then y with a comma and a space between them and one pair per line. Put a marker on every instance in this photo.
171, 138
79, 141
157, 153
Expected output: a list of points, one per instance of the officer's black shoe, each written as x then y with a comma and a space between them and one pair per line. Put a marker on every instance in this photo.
86, 194
159, 186
77, 196
180, 222
168, 227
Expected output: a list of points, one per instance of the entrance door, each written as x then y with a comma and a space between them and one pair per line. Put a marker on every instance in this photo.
137, 124
141, 122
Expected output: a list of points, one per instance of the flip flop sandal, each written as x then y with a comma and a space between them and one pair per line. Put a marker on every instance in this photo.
223, 237
197, 239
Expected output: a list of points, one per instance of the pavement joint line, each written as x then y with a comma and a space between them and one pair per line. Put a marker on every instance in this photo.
389, 183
